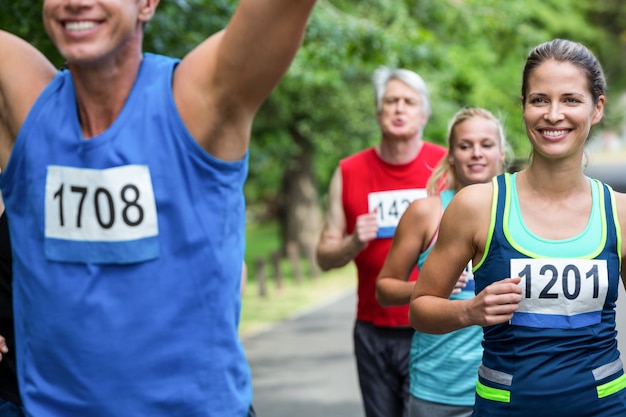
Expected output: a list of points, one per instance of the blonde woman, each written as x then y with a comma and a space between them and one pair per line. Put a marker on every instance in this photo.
443, 368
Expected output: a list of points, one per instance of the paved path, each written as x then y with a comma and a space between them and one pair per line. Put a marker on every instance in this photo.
304, 367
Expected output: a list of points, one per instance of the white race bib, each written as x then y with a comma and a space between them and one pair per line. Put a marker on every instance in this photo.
560, 293
389, 207
88, 208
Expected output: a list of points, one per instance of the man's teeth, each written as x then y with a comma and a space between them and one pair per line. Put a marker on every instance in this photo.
78, 26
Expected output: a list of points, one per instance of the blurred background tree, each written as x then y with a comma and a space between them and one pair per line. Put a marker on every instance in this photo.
470, 53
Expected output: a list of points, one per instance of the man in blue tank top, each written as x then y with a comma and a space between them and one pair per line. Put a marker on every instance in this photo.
127, 170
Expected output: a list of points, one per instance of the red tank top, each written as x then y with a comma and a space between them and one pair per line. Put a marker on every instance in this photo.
368, 182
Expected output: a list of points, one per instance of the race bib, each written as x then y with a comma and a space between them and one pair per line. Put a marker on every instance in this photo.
389, 207
560, 293
100, 216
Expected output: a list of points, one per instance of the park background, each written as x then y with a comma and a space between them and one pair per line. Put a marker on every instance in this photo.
469, 52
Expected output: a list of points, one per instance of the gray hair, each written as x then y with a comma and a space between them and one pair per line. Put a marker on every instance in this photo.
385, 74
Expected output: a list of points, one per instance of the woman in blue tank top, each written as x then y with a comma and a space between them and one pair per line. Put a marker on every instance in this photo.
546, 245
443, 368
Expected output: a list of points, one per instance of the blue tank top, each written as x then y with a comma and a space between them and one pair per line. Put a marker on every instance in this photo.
127, 258
444, 367
558, 355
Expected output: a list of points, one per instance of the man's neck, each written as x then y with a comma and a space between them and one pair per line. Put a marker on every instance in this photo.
399, 151
102, 90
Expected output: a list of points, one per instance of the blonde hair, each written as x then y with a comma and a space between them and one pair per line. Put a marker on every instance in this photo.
444, 175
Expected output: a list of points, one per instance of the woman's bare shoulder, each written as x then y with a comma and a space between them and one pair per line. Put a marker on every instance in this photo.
475, 196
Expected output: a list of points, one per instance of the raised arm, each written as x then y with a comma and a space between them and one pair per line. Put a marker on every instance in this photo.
24, 73
462, 237
219, 86
415, 230
335, 248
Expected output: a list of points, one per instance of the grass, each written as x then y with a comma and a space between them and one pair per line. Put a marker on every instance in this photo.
261, 240
292, 298
259, 313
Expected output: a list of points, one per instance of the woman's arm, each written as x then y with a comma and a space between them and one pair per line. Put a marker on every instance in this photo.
414, 233
462, 236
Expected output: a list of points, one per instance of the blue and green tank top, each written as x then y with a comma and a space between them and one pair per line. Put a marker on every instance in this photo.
444, 367
558, 355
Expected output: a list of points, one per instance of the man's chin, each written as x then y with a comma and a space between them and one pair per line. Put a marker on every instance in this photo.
402, 136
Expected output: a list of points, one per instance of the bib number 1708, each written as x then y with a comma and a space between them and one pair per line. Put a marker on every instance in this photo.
103, 204
100, 205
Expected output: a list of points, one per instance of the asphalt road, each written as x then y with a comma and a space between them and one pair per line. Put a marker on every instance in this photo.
612, 173
305, 367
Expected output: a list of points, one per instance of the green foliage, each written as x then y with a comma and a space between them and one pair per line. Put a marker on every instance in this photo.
177, 27
257, 313
292, 297
262, 239
610, 46
23, 18
326, 98
470, 52
180, 25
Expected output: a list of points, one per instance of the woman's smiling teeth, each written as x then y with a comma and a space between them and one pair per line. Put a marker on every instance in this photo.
554, 133
79, 26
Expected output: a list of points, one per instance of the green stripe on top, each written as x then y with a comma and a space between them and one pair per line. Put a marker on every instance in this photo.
492, 223
586, 245
493, 394
618, 228
612, 387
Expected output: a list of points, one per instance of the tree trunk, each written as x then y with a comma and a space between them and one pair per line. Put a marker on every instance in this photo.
300, 213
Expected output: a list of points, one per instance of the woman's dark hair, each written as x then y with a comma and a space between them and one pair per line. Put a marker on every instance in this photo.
561, 50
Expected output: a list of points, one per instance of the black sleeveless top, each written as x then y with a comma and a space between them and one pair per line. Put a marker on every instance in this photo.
8, 377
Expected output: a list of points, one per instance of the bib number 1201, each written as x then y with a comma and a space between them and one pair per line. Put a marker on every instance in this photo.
563, 287
567, 281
